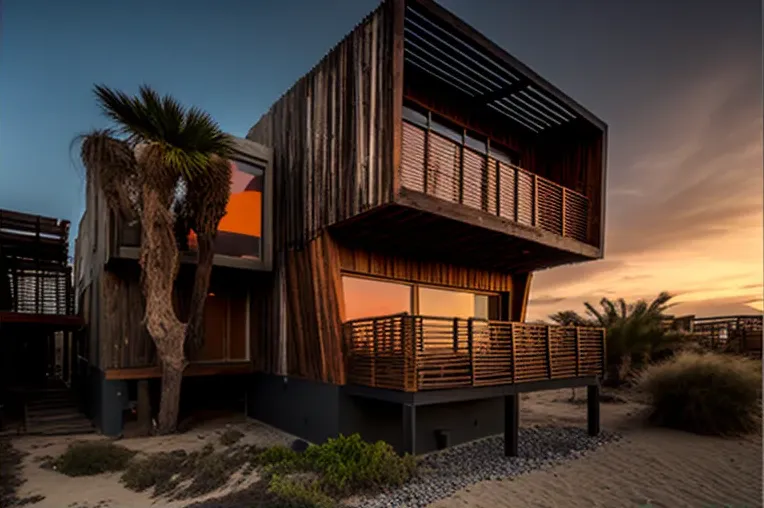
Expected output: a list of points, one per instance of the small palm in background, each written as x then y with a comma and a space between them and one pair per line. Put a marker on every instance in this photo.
635, 335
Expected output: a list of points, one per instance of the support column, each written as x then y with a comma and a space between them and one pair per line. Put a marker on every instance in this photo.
144, 407
113, 394
511, 424
593, 409
66, 358
409, 428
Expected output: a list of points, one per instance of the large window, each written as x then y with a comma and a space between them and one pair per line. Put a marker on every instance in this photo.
472, 140
240, 229
366, 297
371, 297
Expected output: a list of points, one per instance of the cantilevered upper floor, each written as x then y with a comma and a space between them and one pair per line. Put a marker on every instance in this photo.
419, 136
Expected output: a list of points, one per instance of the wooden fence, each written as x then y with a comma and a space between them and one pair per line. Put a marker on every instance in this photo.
739, 334
446, 169
412, 353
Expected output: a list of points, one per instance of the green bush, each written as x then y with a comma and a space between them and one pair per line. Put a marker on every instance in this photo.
348, 464
92, 457
706, 393
298, 493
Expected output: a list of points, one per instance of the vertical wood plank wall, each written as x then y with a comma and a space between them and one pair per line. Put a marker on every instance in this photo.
332, 135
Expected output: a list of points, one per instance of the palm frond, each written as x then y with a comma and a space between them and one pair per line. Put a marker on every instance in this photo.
188, 138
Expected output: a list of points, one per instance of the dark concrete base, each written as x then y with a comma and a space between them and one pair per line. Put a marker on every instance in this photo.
317, 411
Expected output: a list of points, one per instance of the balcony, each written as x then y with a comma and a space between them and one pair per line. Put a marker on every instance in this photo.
417, 353
438, 166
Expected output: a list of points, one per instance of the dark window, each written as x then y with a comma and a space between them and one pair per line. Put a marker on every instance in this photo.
475, 143
446, 129
415, 116
504, 155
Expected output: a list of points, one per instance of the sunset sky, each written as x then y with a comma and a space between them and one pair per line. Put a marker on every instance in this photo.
679, 83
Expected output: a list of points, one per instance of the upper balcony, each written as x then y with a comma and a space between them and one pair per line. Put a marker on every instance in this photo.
493, 166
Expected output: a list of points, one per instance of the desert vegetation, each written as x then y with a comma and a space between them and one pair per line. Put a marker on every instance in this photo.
635, 335
318, 477
706, 393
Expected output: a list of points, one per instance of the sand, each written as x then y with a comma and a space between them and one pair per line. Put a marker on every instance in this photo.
105, 490
649, 467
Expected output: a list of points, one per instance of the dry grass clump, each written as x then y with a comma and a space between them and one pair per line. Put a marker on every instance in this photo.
181, 475
706, 393
92, 457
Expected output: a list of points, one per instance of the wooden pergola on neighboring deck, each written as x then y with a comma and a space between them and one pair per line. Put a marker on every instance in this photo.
421, 360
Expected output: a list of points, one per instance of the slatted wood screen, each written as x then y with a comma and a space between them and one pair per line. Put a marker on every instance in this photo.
412, 353
443, 168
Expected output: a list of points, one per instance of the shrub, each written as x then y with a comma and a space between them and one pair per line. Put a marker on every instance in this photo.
231, 436
706, 393
93, 457
156, 470
298, 493
200, 472
349, 464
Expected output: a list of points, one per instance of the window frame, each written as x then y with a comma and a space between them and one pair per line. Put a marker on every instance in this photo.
414, 292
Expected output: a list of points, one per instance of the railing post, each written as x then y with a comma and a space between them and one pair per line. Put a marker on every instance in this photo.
427, 153
455, 332
498, 189
512, 351
374, 353
549, 352
461, 168
535, 201
471, 349
516, 192
578, 352
562, 214
415, 336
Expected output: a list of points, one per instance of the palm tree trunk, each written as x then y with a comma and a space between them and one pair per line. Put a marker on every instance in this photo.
159, 263
195, 326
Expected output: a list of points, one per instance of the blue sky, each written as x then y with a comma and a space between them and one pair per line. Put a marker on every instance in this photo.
679, 84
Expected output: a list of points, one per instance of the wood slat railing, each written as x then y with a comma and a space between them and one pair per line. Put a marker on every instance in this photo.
412, 353
446, 169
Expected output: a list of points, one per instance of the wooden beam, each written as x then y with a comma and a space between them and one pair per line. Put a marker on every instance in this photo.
194, 369
449, 21
56, 320
501, 92
457, 212
398, 13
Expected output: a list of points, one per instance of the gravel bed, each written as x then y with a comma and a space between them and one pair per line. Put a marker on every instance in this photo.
444, 473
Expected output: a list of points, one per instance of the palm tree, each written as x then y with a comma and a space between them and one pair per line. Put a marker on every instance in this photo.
634, 332
158, 146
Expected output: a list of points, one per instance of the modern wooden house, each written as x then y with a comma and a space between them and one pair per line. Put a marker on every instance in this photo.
414, 180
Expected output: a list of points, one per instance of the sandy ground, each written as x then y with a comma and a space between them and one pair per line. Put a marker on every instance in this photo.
105, 491
648, 468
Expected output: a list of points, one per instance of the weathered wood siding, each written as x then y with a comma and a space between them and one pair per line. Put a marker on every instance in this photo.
332, 135
302, 331
574, 157
440, 274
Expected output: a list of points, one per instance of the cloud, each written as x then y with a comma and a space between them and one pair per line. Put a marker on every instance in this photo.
707, 185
